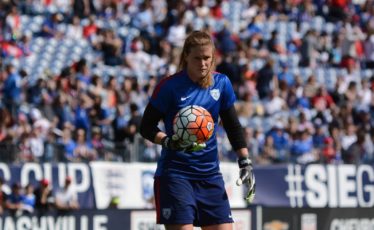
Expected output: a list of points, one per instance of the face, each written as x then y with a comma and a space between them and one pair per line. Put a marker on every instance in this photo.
199, 62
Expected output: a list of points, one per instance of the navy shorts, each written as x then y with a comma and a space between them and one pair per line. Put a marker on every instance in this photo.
197, 202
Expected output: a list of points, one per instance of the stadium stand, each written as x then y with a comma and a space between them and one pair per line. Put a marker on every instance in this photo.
68, 70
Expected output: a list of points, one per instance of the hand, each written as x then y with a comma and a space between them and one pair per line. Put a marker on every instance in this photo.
194, 147
175, 144
247, 177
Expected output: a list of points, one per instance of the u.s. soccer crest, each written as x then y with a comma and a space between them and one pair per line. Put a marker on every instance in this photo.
166, 213
215, 94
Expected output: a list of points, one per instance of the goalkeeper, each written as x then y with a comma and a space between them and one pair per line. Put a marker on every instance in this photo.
189, 188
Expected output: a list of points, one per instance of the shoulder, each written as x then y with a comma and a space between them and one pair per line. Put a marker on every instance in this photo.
167, 83
220, 78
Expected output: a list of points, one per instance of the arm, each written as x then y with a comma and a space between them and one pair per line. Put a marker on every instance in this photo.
235, 134
234, 131
150, 131
44, 196
149, 125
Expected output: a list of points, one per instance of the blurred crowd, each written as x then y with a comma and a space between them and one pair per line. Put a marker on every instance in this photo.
37, 199
301, 70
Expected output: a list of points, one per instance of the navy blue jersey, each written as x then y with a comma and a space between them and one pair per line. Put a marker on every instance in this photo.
176, 92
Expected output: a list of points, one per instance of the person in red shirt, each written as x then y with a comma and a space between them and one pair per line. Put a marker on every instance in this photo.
90, 30
216, 10
322, 100
10, 49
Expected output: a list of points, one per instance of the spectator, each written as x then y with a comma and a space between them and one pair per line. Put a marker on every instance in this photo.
320, 135
302, 151
369, 51
83, 150
266, 80
135, 40
66, 198
40, 122
53, 151
274, 44
62, 110
349, 137
14, 200
99, 115
74, 30
111, 47
137, 59
286, 76
226, 43
10, 49
12, 89
90, 30
268, 153
329, 154
44, 199
308, 49
274, 103
231, 68
68, 143
29, 200
83, 74
119, 124
357, 152
83, 8
82, 119
365, 94
36, 143
177, 34
97, 143
322, 100
13, 25
280, 141
96, 88
112, 93
134, 123
50, 26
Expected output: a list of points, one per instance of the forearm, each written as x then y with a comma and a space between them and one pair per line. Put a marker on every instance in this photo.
148, 127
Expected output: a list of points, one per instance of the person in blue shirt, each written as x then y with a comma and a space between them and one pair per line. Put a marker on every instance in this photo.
286, 76
14, 200
12, 89
28, 201
49, 27
189, 188
281, 141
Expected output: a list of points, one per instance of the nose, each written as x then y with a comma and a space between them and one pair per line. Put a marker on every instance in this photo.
203, 63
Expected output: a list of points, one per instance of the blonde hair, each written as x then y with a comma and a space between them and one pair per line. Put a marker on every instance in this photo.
194, 39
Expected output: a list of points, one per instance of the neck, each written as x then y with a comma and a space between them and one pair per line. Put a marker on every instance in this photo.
193, 78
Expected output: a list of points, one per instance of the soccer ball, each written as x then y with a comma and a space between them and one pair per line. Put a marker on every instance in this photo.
193, 123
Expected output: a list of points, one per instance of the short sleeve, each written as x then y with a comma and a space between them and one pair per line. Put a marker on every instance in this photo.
228, 94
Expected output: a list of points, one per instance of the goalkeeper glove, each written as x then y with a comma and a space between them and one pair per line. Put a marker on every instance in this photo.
175, 144
247, 177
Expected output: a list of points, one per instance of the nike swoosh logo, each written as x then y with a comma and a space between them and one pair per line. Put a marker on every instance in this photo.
185, 98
